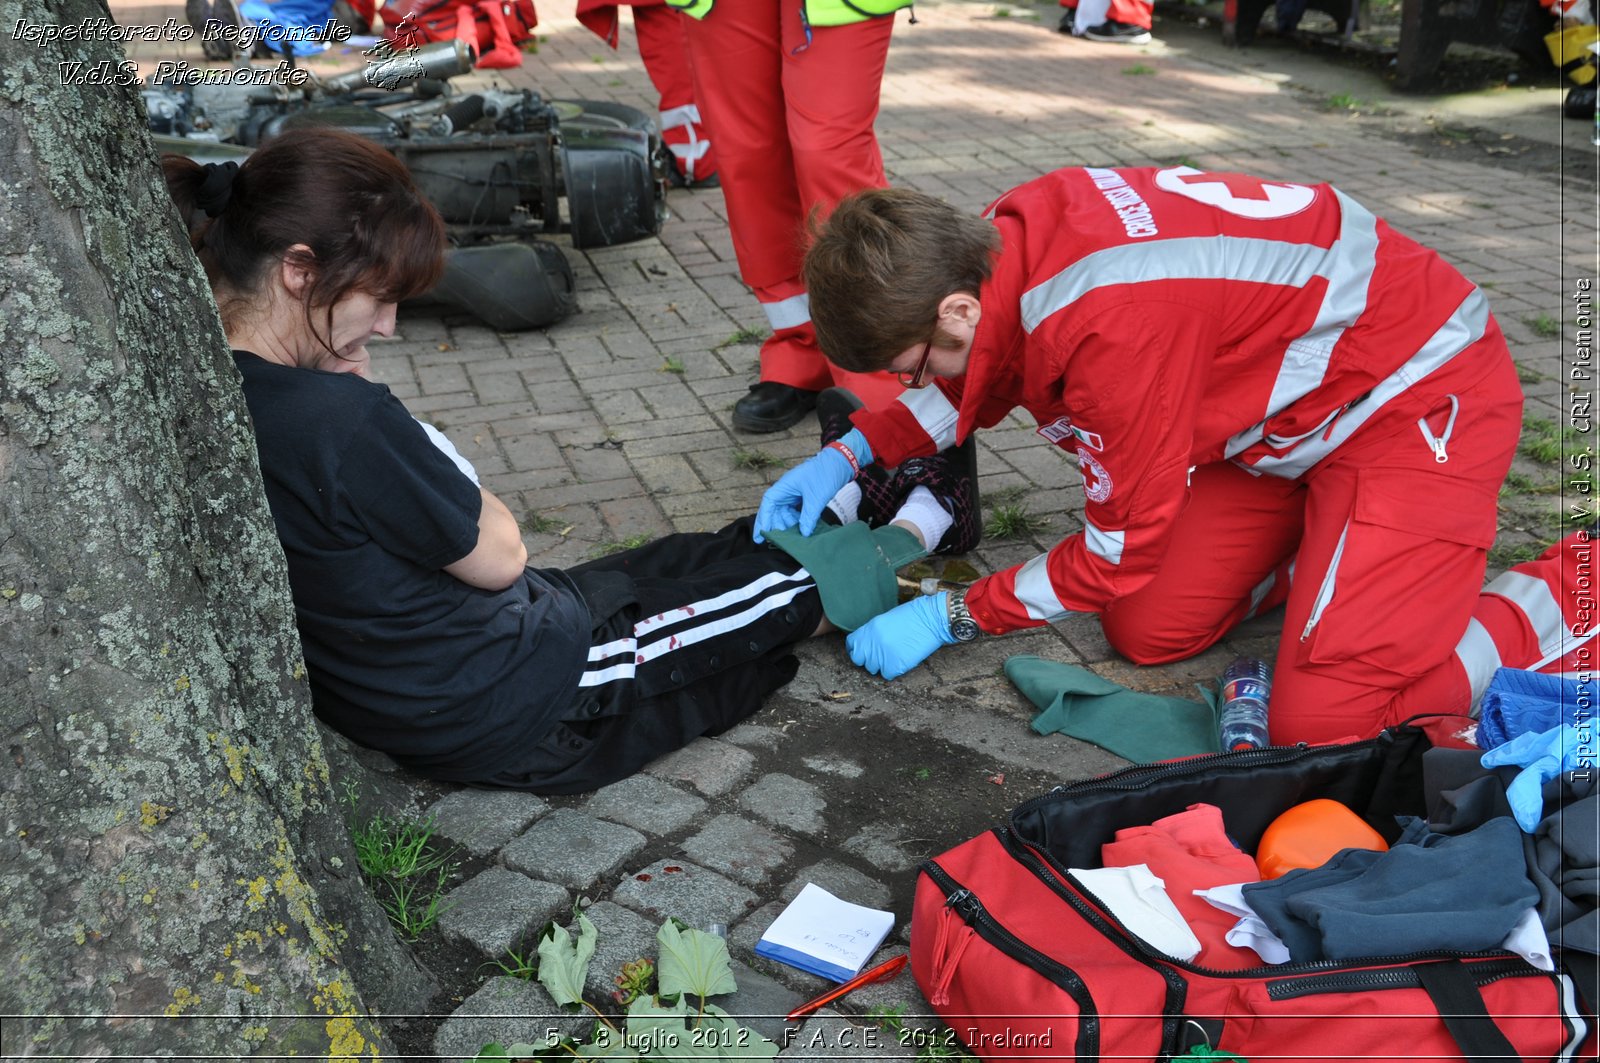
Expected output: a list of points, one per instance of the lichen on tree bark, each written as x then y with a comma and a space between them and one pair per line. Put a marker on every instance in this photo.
174, 877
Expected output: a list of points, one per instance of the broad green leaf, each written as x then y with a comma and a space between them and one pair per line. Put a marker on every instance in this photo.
692, 961
654, 1030
492, 1050
564, 966
734, 1040
607, 1044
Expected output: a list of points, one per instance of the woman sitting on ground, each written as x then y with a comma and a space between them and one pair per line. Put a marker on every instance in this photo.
425, 634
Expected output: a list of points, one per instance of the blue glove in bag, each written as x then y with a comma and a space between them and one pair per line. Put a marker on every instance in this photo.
1542, 755
893, 643
802, 493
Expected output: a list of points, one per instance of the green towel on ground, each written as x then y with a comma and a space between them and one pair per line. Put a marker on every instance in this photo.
854, 567
1139, 727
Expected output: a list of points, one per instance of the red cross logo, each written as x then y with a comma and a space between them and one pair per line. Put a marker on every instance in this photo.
1247, 197
1240, 186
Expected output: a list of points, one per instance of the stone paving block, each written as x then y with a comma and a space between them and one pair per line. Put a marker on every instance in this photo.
887, 846
760, 1003
495, 910
507, 1010
841, 880
785, 801
739, 848
573, 849
646, 803
710, 766
684, 891
621, 937
754, 735
481, 821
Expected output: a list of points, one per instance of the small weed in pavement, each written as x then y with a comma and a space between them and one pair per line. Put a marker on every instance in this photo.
1528, 374
1343, 101
753, 459
536, 523
671, 365
1543, 441
403, 871
613, 546
517, 965
1138, 69
1012, 522
938, 1043
1544, 326
742, 337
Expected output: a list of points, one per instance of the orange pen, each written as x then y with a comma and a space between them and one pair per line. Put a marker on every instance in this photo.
878, 973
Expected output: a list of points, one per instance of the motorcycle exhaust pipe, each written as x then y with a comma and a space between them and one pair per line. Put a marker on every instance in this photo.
391, 69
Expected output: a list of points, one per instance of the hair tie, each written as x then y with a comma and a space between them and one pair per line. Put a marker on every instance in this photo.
216, 188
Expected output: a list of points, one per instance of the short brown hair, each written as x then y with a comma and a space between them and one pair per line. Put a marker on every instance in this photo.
879, 266
352, 203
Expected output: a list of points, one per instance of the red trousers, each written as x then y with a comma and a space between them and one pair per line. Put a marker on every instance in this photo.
793, 120
1378, 554
664, 49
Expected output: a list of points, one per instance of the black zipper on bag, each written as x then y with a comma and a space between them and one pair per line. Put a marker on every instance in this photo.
966, 904
1112, 929
1136, 777
1389, 978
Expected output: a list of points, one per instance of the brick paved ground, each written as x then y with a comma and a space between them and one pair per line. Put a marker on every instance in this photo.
616, 423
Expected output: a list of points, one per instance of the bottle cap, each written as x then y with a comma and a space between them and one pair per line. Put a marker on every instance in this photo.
1309, 834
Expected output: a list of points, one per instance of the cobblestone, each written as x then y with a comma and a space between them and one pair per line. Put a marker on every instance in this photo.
496, 909
784, 801
573, 849
646, 803
739, 849
481, 821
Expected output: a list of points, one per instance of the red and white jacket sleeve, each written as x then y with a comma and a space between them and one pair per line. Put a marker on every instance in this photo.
1131, 376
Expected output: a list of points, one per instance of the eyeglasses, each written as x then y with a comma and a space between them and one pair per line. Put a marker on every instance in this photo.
914, 379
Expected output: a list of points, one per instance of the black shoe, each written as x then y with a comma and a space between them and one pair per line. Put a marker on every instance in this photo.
676, 179
772, 407
1115, 32
878, 501
1068, 17
952, 477
1579, 102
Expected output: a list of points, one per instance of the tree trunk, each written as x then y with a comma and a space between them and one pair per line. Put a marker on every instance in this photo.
175, 877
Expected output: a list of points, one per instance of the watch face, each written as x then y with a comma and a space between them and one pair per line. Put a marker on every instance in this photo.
964, 630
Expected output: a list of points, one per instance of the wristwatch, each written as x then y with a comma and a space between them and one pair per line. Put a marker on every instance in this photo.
962, 627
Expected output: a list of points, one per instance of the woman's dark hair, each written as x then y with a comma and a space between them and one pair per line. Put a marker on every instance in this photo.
352, 203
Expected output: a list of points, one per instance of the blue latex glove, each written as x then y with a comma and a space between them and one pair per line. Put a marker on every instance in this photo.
802, 493
893, 643
1542, 755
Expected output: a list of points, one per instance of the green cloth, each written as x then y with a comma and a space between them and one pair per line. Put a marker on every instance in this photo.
854, 567
1139, 727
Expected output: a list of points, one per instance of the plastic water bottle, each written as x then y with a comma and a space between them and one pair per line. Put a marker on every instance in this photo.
1246, 686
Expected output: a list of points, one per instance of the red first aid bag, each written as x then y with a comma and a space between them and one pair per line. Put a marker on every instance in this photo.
1024, 963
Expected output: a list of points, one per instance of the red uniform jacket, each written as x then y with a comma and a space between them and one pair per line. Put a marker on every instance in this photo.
1156, 320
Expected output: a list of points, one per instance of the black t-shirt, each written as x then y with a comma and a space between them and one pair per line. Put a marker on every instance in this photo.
446, 678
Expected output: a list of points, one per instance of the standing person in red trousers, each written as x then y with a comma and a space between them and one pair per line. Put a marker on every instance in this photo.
1272, 397
790, 90
665, 52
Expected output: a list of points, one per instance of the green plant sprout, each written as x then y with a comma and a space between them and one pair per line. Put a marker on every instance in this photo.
403, 871
660, 1026
1012, 522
